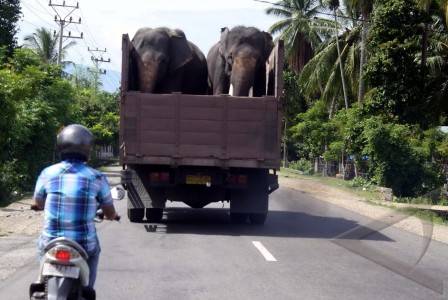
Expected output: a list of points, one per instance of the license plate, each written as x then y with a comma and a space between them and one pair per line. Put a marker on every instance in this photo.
60, 271
196, 179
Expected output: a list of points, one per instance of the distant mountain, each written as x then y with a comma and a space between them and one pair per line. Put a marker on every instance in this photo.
110, 82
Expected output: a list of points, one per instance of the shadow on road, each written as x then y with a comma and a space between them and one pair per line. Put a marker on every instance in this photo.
215, 221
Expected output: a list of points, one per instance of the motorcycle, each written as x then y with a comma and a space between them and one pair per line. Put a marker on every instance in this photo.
64, 272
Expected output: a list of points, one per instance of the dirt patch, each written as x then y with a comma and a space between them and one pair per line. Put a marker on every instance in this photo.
358, 204
17, 218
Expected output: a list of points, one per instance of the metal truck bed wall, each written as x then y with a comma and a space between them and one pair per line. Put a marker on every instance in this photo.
193, 130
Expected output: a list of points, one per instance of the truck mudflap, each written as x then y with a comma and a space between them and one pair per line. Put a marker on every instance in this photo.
136, 190
272, 183
142, 199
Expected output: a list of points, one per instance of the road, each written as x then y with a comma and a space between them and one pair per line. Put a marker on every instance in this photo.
197, 254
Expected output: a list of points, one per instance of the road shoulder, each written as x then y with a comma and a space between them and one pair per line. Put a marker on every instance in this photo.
358, 204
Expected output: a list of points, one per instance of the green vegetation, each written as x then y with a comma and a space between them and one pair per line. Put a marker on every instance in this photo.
10, 14
375, 106
36, 101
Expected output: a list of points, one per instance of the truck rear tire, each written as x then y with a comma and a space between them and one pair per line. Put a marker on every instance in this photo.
258, 219
136, 215
154, 215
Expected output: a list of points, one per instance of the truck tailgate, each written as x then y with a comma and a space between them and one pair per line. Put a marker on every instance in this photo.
197, 130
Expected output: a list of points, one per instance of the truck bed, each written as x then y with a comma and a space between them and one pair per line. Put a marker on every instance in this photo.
195, 130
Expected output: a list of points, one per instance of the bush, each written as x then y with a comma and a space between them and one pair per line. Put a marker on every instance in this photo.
360, 182
302, 165
395, 161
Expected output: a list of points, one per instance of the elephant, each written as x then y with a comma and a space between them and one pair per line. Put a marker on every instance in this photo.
237, 63
166, 62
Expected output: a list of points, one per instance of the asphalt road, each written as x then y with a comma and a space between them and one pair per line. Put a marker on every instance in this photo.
308, 249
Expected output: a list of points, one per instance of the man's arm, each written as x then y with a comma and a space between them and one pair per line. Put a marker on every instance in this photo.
39, 193
105, 200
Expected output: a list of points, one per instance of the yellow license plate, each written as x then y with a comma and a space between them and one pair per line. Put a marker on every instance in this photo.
195, 179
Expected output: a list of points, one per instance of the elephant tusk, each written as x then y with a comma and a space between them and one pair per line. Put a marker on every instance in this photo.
231, 90
251, 91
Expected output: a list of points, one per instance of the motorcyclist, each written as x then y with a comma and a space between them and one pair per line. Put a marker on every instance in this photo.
70, 193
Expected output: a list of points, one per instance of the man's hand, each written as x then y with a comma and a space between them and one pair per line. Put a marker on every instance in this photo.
110, 213
36, 207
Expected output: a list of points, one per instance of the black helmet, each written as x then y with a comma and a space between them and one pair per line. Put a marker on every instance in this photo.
75, 141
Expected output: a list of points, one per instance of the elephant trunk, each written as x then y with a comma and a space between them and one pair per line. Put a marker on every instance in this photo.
243, 76
148, 75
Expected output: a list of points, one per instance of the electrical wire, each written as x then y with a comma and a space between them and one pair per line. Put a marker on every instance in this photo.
44, 8
30, 9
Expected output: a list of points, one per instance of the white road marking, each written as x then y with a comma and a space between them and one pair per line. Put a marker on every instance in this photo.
266, 254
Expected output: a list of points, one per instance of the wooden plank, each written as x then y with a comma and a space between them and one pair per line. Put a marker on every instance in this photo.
184, 128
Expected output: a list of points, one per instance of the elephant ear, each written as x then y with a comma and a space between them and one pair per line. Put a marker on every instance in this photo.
222, 42
268, 44
138, 38
180, 51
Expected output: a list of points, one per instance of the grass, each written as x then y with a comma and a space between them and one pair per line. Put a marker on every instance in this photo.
369, 193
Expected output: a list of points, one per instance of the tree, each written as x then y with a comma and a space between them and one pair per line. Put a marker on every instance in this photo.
301, 28
46, 45
10, 13
334, 5
321, 76
393, 71
364, 8
36, 102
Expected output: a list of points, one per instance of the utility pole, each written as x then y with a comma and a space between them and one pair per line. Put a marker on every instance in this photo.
63, 22
97, 61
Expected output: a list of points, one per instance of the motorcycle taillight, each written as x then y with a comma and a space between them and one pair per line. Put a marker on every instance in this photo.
63, 255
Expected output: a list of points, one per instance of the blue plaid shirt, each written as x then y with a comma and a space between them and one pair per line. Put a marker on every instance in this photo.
71, 192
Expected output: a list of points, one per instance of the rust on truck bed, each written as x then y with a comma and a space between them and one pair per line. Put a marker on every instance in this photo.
192, 130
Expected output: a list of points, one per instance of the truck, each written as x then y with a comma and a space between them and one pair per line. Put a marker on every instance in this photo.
199, 149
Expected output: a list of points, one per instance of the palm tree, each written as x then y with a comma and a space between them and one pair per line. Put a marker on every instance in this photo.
322, 76
364, 8
45, 44
334, 6
302, 29
444, 8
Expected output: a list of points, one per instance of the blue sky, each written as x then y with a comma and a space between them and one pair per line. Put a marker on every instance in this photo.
103, 22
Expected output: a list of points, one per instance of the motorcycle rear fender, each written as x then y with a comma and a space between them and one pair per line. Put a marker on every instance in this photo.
84, 271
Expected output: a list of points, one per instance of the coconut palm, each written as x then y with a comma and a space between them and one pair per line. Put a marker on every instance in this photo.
361, 8
334, 6
45, 44
302, 29
322, 77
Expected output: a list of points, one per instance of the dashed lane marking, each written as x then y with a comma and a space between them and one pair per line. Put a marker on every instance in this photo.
266, 254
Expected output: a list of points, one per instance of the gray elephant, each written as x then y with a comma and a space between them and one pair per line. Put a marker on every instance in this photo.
165, 62
237, 63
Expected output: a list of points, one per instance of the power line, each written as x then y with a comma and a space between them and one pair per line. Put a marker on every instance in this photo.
44, 8
30, 9
88, 29
35, 9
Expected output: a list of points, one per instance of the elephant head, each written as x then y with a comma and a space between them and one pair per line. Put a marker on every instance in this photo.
245, 51
159, 53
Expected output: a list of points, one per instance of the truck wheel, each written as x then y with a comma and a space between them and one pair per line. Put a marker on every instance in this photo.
258, 219
238, 218
154, 215
136, 215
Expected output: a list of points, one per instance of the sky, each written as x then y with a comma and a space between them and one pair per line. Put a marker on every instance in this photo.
104, 22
